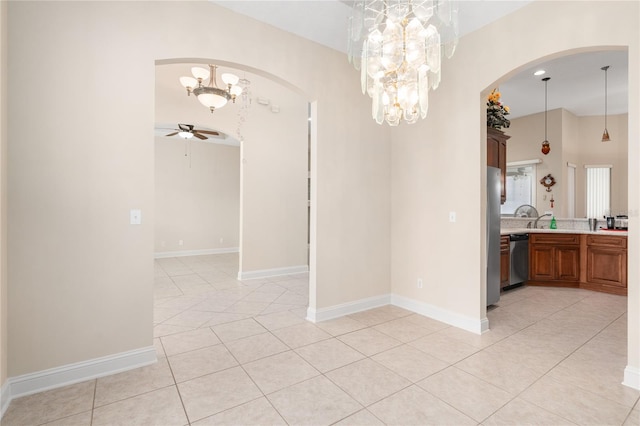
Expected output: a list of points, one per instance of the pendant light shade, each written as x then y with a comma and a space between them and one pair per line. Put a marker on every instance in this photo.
209, 94
605, 134
546, 148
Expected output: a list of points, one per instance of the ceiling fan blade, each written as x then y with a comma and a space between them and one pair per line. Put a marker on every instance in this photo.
172, 134
199, 136
185, 127
208, 132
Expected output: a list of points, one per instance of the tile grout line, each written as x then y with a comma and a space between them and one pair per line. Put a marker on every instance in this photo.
506, 337
93, 403
175, 383
559, 362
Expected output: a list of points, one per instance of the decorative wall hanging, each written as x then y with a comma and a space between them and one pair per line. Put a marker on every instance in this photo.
548, 181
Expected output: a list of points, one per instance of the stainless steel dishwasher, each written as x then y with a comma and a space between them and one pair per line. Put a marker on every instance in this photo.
519, 261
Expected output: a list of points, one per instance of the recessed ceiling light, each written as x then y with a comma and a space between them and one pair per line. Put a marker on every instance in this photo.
539, 72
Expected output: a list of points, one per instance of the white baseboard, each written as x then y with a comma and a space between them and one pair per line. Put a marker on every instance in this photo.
266, 273
323, 314
5, 398
183, 253
632, 377
452, 318
39, 381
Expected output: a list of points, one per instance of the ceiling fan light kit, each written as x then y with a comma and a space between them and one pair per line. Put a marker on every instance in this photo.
396, 45
187, 131
211, 96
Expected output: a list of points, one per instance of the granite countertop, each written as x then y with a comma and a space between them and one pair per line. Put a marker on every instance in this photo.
601, 231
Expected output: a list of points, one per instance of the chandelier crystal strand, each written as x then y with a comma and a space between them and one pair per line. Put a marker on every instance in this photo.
397, 46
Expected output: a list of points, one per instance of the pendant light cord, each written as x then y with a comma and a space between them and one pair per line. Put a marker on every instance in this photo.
605, 69
546, 80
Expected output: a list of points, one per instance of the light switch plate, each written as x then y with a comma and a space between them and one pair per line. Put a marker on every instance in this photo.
136, 217
452, 216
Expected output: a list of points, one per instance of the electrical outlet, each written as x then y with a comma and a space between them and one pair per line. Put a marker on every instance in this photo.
221, 240
180, 242
419, 282
135, 217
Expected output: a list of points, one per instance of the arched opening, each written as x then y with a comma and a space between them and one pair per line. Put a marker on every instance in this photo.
575, 143
249, 251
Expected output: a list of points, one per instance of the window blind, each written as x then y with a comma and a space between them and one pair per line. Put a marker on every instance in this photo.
598, 191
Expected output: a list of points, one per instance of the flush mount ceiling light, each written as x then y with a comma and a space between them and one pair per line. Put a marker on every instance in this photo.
545, 144
396, 45
605, 134
539, 72
211, 95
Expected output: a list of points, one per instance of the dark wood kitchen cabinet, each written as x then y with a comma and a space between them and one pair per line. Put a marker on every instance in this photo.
590, 261
606, 263
554, 259
497, 157
505, 258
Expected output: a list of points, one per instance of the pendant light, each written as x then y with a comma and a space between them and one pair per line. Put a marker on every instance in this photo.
605, 134
545, 144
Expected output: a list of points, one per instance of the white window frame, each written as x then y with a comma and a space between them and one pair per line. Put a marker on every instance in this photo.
525, 163
600, 205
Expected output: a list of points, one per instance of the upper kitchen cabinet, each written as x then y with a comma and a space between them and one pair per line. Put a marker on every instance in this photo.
497, 157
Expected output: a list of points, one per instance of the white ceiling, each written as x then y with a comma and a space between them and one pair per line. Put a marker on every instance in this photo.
577, 82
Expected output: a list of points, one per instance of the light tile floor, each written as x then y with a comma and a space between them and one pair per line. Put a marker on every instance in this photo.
241, 353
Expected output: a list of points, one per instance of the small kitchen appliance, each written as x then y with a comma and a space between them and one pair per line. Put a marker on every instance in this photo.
622, 222
611, 222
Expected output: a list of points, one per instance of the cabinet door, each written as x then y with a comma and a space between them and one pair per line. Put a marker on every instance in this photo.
607, 266
567, 263
493, 152
505, 261
502, 162
541, 262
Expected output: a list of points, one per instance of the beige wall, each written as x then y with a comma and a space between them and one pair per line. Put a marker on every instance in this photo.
274, 187
573, 140
438, 165
594, 151
527, 134
197, 196
89, 160
3, 193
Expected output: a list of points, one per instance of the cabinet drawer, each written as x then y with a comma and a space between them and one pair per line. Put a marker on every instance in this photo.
505, 244
607, 241
555, 239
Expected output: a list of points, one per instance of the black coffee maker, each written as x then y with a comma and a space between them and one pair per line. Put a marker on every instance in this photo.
611, 222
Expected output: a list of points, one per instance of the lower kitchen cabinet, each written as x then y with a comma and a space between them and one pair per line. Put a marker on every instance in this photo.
505, 259
606, 263
554, 258
591, 261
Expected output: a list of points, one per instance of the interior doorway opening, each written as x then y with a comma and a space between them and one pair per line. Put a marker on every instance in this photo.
264, 177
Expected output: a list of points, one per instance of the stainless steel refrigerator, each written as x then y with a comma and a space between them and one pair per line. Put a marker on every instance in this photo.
493, 235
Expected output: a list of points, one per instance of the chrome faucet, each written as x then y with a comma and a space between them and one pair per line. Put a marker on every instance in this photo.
535, 224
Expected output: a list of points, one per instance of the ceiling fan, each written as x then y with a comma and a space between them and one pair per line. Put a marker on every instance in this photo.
187, 131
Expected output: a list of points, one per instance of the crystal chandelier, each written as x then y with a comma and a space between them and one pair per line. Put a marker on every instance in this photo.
396, 45
211, 95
